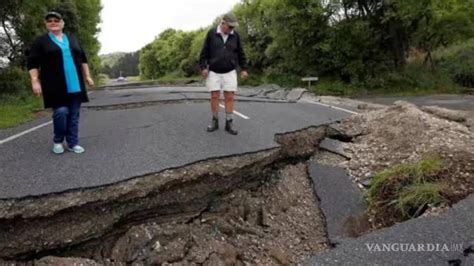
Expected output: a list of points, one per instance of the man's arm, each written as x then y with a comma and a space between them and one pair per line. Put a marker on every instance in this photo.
204, 56
242, 59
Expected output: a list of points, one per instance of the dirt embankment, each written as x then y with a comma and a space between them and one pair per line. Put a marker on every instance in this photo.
403, 133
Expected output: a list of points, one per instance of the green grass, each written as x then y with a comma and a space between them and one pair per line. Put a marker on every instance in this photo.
133, 78
412, 199
16, 110
415, 80
102, 79
407, 187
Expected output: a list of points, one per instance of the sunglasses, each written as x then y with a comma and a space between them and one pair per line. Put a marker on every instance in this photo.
53, 21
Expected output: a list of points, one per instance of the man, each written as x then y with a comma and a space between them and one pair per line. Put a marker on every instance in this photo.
221, 54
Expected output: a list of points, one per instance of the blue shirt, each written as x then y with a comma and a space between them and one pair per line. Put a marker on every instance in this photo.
70, 71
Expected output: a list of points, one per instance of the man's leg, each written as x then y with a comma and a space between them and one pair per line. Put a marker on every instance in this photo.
215, 111
215, 103
230, 86
229, 112
229, 104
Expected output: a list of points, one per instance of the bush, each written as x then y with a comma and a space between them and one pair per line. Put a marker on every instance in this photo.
415, 79
284, 80
14, 81
458, 62
332, 87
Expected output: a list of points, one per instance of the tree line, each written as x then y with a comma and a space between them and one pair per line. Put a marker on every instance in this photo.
350, 40
355, 41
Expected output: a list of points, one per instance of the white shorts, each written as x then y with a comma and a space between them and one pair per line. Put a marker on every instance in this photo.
225, 82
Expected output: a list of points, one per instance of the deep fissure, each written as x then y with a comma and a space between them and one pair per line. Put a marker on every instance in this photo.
98, 225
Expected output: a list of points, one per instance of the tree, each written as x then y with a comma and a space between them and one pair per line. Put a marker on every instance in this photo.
449, 22
297, 30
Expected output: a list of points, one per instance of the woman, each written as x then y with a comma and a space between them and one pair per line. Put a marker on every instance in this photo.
58, 66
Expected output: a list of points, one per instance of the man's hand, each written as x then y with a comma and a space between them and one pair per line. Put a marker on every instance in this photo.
205, 73
244, 74
36, 85
90, 81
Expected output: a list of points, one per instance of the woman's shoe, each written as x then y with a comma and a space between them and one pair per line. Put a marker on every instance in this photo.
58, 148
77, 149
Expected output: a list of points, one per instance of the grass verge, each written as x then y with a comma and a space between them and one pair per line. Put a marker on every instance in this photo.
16, 110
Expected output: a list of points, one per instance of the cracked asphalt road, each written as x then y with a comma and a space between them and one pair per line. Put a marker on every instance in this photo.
130, 142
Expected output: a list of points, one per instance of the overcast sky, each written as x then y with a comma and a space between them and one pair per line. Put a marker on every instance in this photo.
128, 25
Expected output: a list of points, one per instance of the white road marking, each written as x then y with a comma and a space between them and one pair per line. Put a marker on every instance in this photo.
237, 113
30, 130
24, 132
334, 107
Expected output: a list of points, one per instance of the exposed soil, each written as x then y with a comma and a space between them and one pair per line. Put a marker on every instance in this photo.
277, 223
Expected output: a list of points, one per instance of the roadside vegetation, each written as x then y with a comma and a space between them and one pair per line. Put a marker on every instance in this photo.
405, 191
17, 110
17, 103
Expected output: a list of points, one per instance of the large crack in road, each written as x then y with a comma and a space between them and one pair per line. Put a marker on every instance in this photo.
205, 212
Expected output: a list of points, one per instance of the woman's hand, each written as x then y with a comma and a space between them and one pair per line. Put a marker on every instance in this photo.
90, 81
36, 85
87, 75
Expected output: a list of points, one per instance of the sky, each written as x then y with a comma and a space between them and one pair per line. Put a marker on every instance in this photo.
128, 25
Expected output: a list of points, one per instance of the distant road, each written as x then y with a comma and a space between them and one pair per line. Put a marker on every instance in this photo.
450, 101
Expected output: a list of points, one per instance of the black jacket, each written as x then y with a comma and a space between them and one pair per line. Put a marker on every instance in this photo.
220, 57
46, 56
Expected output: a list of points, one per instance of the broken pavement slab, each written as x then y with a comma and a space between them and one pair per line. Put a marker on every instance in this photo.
295, 94
453, 230
334, 146
452, 115
277, 95
340, 200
